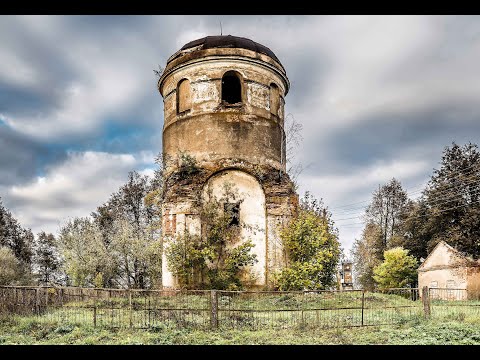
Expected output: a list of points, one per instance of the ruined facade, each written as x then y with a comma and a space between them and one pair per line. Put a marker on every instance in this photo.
447, 268
224, 106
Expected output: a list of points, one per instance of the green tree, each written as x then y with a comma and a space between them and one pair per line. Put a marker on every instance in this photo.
416, 230
46, 258
386, 210
131, 231
367, 254
384, 218
84, 253
16, 238
312, 248
10, 267
452, 198
398, 270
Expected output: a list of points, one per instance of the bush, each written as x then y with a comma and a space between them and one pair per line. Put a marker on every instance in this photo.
312, 247
10, 268
397, 270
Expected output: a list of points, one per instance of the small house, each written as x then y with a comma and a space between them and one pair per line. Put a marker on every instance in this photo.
450, 274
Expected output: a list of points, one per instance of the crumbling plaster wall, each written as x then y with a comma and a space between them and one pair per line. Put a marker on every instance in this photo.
241, 141
212, 130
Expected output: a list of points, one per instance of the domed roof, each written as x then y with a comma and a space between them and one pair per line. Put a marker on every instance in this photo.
229, 41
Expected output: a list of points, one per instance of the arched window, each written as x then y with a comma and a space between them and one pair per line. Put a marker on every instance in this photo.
231, 88
274, 99
184, 99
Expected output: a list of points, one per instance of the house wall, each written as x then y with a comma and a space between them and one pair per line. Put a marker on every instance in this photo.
473, 282
444, 269
454, 278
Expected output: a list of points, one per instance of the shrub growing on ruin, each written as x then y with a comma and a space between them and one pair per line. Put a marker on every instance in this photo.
218, 257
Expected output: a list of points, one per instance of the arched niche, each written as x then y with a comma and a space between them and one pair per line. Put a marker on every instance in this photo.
184, 98
231, 88
251, 213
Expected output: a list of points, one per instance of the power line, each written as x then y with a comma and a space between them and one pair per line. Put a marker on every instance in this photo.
419, 216
443, 191
439, 201
416, 186
447, 192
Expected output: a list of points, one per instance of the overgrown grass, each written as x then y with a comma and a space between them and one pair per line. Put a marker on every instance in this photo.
298, 318
417, 331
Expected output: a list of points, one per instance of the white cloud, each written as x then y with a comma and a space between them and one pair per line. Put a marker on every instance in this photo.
114, 73
345, 71
73, 188
381, 64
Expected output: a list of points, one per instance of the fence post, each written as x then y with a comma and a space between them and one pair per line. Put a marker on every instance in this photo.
303, 305
95, 309
130, 307
214, 309
15, 302
426, 301
37, 302
363, 303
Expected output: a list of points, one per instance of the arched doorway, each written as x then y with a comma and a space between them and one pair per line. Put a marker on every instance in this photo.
249, 207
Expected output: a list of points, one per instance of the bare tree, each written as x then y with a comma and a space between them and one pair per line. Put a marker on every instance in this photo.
293, 139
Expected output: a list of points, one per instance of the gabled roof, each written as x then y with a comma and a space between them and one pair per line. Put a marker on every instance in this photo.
450, 248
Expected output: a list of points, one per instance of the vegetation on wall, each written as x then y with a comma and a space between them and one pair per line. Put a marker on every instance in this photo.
217, 257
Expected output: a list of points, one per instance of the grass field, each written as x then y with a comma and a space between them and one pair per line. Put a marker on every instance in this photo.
246, 318
247, 311
448, 330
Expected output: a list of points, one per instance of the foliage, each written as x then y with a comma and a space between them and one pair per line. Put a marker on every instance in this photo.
84, 252
46, 258
452, 198
10, 268
187, 165
367, 254
448, 209
383, 230
121, 246
386, 209
398, 270
129, 222
218, 257
16, 238
312, 248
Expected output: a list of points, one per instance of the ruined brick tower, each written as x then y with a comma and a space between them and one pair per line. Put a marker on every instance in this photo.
224, 105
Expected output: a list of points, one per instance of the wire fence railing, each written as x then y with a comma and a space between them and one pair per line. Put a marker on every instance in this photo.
454, 303
218, 309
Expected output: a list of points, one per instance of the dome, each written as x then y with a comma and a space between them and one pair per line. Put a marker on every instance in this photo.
229, 41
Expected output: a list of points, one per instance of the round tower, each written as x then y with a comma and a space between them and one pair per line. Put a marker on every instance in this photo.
224, 116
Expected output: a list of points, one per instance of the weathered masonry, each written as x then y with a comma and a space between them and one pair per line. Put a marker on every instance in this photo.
224, 105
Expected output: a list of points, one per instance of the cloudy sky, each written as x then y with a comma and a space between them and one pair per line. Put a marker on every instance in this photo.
378, 97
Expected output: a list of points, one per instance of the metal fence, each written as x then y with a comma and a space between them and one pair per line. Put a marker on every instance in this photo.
454, 303
234, 309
